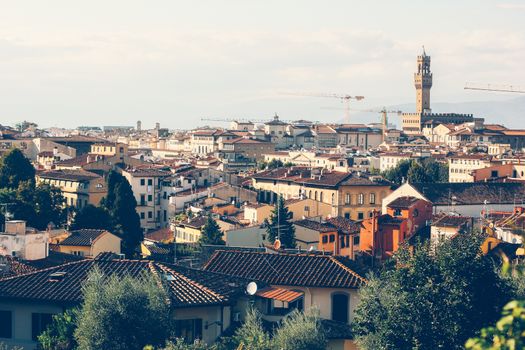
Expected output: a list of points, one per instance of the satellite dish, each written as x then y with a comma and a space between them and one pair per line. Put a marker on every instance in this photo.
251, 288
277, 244
311, 249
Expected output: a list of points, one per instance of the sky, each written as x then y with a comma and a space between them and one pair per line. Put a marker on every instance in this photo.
66, 63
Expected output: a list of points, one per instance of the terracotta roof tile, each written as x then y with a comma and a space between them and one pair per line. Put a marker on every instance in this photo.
287, 269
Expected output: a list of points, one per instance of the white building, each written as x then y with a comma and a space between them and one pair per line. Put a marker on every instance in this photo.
23, 242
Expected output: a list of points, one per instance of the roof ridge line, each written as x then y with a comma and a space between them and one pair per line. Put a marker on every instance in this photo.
195, 283
333, 258
44, 270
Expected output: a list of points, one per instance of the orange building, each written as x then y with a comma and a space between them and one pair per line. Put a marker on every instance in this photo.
343, 240
415, 211
381, 235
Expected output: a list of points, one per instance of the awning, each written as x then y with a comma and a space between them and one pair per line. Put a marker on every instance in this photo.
279, 294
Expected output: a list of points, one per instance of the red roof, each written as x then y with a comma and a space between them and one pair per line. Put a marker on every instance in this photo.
279, 294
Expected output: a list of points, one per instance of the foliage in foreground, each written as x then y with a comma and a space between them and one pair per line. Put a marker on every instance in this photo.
122, 313
431, 299
60, 334
509, 332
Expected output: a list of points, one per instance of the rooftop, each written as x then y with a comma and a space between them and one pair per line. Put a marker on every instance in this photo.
68, 175
287, 269
186, 287
84, 237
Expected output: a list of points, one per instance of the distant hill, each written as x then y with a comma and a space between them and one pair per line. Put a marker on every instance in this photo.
510, 113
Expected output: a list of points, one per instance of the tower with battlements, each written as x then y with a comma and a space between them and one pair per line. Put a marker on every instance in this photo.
423, 83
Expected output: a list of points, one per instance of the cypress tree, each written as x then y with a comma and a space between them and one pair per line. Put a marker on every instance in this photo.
280, 225
211, 233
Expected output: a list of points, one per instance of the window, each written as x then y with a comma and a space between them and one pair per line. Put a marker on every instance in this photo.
347, 215
372, 198
416, 213
39, 323
150, 214
189, 330
342, 241
150, 197
142, 182
361, 199
321, 197
356, 240
347, 198
332, 238
6, 324
77, 253
340, 306
397, 212
142, 215
360, 216
325, 239
150, 182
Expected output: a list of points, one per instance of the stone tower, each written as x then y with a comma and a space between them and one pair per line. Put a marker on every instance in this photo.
423, 83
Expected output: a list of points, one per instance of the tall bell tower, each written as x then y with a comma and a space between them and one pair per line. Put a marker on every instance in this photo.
423, 83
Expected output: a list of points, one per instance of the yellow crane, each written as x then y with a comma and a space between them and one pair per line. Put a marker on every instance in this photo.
344, 98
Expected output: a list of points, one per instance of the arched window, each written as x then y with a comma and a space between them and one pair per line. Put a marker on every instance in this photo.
321, 197
361, 199
340, 307
333, 198
310, 194
315, 195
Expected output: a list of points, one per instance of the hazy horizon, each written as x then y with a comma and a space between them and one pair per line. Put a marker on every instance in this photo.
100, 63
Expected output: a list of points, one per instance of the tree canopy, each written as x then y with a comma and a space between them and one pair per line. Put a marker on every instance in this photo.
92, 217
14, 169
122, 313
433, 298
122, 206
280, 225
425, 171
211, 233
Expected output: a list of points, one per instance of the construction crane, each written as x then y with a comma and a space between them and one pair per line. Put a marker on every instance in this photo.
342, 97
494, 87
384, 116
246, 120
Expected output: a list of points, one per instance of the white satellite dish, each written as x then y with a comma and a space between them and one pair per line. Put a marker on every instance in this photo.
251, 288
311, 249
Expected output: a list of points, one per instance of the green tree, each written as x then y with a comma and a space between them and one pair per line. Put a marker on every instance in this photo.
14, 169
211, 233
92, 217
425, 171
275, 163
280, 225
300, 331
435, 172
251, 334
60, 334
38, 205
416, 173
433, 298
123, 313
507, 334
399, 173
49, 206
122, 206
